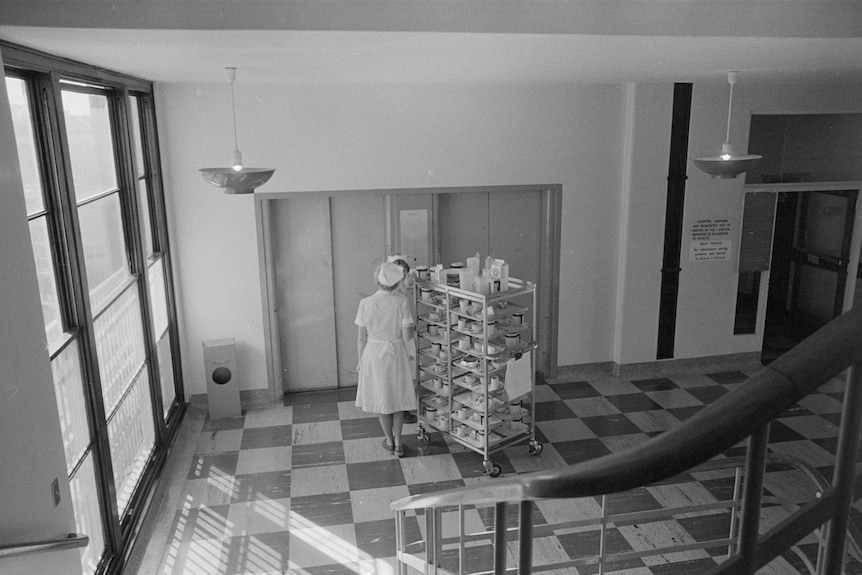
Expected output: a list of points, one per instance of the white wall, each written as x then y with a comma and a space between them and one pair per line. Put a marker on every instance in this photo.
356, 137
31, 446
607, 145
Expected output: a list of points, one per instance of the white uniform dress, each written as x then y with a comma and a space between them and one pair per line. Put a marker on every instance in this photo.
407, 290
385, 375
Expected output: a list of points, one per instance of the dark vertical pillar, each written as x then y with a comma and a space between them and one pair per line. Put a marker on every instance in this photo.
676, 177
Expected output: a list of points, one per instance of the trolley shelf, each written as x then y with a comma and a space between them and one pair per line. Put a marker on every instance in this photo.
466, 341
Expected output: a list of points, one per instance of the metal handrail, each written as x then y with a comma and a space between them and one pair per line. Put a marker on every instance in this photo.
817, 482
714, 429
744, 413
71, 541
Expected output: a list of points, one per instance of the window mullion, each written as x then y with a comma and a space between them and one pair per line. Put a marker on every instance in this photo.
81, 309
54, 186
150, 142
128, 179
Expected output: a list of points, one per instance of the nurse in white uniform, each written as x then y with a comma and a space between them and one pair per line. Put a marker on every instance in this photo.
385, 376
406, 287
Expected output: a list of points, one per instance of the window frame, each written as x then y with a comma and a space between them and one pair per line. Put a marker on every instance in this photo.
45, 78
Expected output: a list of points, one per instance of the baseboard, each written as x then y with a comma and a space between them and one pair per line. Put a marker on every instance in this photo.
747, 362
249, 399
583, 371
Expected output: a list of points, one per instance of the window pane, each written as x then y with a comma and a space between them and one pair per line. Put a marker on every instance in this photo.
144, 216
166, 373
131, 435
158, 298
104, 247
120, 346
47, 282
85, 500
137, 145
815, 298
22, 120
824, 226
69, 385
91, 148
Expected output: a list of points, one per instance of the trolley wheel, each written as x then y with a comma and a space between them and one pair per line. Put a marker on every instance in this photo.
535, 448
493, 469
424, 437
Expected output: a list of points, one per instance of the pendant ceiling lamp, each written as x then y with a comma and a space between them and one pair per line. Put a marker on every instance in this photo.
727, 164
237, 179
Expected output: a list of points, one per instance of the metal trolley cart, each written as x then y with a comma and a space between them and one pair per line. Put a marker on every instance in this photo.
466, 342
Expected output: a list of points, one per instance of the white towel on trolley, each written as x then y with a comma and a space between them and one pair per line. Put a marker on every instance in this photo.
519, 376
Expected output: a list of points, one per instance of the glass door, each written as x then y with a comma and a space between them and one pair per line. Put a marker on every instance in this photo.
810, 255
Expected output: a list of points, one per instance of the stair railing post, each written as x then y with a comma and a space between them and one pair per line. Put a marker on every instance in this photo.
462, 547
430, 539
734, 512
525, 538
845, 466
602, 534
752, 498
499, 538
400, 547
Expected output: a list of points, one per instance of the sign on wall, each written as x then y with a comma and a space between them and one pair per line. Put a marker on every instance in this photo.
710, 240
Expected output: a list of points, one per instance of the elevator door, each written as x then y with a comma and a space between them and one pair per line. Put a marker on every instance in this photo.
302, 247
505, 225
325, 250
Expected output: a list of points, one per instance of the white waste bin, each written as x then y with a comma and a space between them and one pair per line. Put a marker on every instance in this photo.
222, 380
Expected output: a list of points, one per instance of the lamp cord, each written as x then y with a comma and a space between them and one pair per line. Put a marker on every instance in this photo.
729, 109
233, 107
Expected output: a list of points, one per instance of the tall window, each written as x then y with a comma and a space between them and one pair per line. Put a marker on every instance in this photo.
89, 161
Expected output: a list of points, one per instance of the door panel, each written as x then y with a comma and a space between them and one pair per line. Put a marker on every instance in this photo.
303, 253
462, 221
358, 240
824, 225
515, 235
505, 225
815, 295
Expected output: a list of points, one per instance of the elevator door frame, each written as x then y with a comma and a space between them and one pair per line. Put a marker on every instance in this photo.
549, 273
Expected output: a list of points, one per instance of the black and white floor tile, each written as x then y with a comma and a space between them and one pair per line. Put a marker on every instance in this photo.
305, 487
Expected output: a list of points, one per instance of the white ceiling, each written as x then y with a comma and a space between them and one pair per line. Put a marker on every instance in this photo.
459, 47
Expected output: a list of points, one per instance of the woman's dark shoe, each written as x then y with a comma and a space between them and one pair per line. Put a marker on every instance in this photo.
399, 450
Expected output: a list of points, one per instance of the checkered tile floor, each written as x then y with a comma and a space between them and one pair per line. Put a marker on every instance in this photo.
305, 487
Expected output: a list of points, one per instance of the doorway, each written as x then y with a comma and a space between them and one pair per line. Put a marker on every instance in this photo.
811, 250
318, 250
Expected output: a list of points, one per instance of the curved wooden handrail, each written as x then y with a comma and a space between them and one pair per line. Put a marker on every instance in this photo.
711, 431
